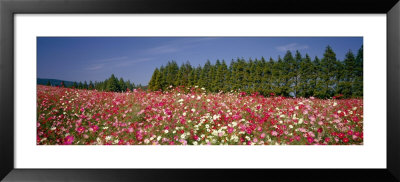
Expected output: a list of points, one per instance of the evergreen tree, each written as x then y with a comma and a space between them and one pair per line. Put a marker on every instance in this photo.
306, 71
91, 86
287, 74
348, 79
85, 85
329, 72
48, 83
358, 81
296, 73
155, 83
121, 85
112, 84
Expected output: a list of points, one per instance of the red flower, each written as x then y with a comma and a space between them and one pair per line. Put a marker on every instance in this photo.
349, 132
345, 140
327, 139
319, 130
341, 135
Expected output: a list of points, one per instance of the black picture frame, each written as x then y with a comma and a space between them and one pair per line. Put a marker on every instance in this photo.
9, 8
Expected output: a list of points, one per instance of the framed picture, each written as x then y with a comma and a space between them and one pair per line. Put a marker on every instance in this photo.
302, 106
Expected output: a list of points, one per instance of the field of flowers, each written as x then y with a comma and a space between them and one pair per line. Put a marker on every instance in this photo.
193, 117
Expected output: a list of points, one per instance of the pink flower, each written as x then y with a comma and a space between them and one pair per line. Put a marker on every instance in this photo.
94, 128
310, 139
262, 135
274, 133
230, 130
68, 140
80, 130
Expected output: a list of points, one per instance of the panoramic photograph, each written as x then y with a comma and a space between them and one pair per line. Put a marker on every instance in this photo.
199, 91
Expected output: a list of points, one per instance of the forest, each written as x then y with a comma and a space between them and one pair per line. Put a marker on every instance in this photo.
290, 76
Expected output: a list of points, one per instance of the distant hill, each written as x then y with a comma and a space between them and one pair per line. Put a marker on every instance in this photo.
53, 82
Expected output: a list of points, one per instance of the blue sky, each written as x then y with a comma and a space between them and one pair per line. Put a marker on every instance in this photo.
135, 58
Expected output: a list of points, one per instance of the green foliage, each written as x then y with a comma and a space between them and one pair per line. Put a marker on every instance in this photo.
297, 76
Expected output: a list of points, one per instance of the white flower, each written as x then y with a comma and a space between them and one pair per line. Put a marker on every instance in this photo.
215, 132
184, 114
183, 136
234, 124
53, 128
193, 110
180, 100
208, 100
290, 126
198, 97
335, 104
207, 126
146, 141
166, 131
300, 120
158, 138
202, 88
108, 138
354, 108
194, 143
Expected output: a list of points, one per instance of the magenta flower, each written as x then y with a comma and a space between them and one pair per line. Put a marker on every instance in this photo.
68, 140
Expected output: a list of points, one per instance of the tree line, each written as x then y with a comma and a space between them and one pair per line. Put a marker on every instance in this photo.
293, 75
112, 84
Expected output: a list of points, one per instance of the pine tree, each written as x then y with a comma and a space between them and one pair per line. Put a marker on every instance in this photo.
112, 84
91, 86
48, 83
347, 81
306, 71
121, 85
358, 81
155, 83
85, 85
296, 73
278, 79
328, 74
287, 74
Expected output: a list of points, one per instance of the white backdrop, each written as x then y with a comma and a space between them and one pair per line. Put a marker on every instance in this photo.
370, 155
